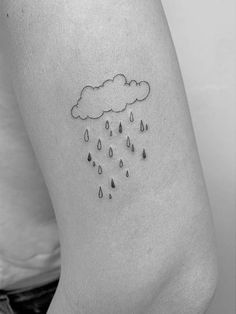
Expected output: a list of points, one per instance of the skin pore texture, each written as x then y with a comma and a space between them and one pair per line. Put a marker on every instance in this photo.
102, 99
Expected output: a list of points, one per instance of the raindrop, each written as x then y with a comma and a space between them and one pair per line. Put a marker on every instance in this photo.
112, 184
100, 193
144, 154
94, 163
128, 141
86, 135
110, 152
89, 157
99, 145
107, 125
110, 196
131, 117
141, 126
127, 173
120, 128
121, 164
111, 133
132, 148
99, 169
146, 127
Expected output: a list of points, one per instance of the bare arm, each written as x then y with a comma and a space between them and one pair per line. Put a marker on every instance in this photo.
136, 235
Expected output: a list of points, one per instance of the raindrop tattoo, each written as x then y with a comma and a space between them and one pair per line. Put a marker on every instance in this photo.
115, 96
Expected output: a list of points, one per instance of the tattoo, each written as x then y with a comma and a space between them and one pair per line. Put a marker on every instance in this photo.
141, 126
128, 141
114, 95
86, 135
99, 144
120, 128
110, 153
89, 157
131, 117
99, 169
113, 183
121, 164
100, 193
144, 154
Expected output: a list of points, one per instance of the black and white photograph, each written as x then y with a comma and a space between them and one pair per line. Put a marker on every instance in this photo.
117, 157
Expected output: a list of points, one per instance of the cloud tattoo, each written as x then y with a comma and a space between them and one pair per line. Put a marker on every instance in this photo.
113, 95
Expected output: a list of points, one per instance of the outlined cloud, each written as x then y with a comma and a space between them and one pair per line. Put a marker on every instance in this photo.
113, 95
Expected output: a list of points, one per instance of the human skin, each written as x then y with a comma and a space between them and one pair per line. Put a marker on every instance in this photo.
29, 245
149, 249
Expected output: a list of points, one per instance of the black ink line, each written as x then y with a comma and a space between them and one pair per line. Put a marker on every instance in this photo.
141, 126
132, 147
94, 164
110, 196
144, 154
110, 152
110, 110
100, 193
121, 164
99, 145
127, 174
99, 169
113, 184
120, 128
111, 133
89, 157
86, 135
107, 125
128, 141
131, 117
146, 127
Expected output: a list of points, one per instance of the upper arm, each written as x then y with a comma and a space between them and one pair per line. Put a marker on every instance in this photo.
78, 65
73, 70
